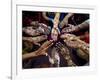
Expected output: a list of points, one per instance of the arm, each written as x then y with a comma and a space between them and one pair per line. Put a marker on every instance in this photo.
30, 31
40, 51
72, 28
65, 53
35, 40
74, 42
44, 15
65, 20
55, 30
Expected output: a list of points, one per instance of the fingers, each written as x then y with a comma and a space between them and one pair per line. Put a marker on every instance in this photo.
34, 24
45, 16
48, 46
27, 39
63, 36
55, 31
47, 43
65, 20
30, 31
45, 46
69, 37
38, 44
71, 44
54, 34
35, 40
73, 41
44, 29
70, 28
70, 40
39, 38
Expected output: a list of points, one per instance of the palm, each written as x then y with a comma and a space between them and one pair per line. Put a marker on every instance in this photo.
63, 42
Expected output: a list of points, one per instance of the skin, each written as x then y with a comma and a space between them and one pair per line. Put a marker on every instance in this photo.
35, 40
55, 57
65, 52
41, 51
44, 15
71, 28
70, 40
74, 42
65, 20
55, 31
30, 31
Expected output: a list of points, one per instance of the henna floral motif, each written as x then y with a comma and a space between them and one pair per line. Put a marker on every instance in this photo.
72, 28
74, 42
59, 41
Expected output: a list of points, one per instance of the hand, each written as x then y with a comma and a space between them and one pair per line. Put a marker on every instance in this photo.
70, 40
44, 29
65, 20
35, 24
65, 53
54, 33
35, 39
30, 31
42, 50
69, 37
69, 28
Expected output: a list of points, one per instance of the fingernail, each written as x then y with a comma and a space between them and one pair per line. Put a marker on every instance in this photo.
51, 40
46, 54
51, 43
64, 40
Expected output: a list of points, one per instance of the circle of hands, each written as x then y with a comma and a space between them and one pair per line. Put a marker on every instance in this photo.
39, 32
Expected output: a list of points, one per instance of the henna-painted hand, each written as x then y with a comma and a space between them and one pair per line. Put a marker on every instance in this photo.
30, 31
42, 50
69, 28
35, 40
43, 28
70, 40
61, 48
34, 24
65, 53
54, 33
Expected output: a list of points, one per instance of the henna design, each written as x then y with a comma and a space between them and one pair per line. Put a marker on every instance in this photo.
72, 28
41, 51
66, 54
74, 42
55, 31
39, 32
40, 29
55, 57
65, 20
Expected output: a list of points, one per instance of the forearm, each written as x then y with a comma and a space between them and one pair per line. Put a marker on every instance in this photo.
31, 32
39, 38
65, 20
44, 15
74, 42
29, 55
82, 54
55, 31
83, 25
84, 46
76, 28
65, 53
35, 39
56, 20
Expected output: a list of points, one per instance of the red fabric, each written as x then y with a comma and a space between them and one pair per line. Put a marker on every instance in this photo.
87, 39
